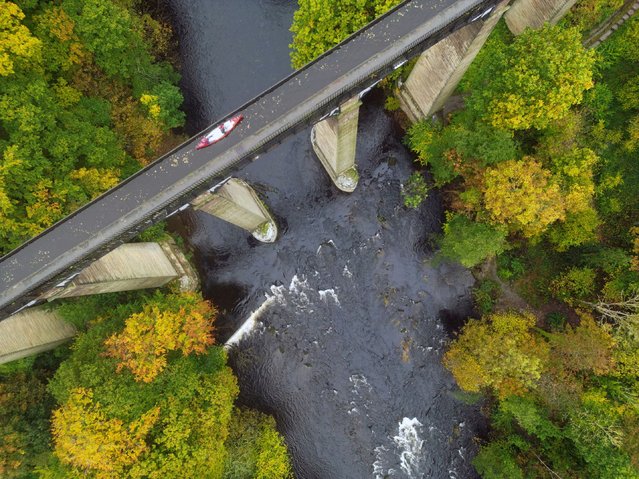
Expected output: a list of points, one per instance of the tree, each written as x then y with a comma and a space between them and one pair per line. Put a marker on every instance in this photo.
24, 414
151, 335
538, 77
574, 285
499, 352
319, 25
523, 195
465, 144
586, 348
577, 229
17, 44
192, 394
470, 242
496, 460
255, 449
596, 429
89, 441
415, 191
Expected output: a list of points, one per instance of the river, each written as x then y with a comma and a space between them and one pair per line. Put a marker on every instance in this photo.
346, 352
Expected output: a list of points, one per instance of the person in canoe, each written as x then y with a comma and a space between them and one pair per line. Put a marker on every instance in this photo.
219, 132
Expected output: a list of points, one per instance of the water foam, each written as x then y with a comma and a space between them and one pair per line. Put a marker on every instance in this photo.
410, 444
407, 447
329, 293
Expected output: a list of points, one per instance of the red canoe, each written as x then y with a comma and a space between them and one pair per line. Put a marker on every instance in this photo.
219, 132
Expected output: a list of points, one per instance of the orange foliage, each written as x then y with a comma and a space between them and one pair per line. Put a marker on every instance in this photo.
150, 335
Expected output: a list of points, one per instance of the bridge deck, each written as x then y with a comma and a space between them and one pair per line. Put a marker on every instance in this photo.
178, 176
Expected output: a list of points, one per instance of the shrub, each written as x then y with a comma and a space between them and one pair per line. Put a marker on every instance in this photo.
415, 191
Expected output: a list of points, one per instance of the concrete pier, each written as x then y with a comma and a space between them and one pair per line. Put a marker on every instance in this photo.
334, 142
30, 332
128, 267
440, 68
534, 13
236, 202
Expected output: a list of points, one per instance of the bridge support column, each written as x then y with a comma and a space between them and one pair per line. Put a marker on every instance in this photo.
534, 13
128, 267
30, 332
334, 142
236, 202
439, 69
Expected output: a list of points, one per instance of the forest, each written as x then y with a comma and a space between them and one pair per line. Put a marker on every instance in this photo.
88, 95
539, 179
540, 176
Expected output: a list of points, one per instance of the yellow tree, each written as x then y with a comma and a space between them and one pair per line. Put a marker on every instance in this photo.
498, 352
523, 195
150, 335
86, 439
16, 42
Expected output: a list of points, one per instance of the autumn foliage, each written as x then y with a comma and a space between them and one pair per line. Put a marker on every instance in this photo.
536, 81
149, 336
91, 442
174, 417
523, 195
498, 352
83, 103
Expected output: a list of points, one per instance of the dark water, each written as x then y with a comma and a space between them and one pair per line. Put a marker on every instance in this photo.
347, 351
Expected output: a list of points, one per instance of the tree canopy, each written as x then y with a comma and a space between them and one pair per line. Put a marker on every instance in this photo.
83, 104
178, 422
498, 352
536, 80
319, 25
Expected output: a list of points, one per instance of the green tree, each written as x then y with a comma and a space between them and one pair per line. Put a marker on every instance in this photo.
255, 449
318, 25
574, 285
415, 191
470, 242
538, 77
24, 419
